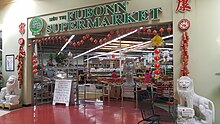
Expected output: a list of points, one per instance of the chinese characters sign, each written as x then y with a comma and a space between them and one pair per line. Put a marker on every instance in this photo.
183, 5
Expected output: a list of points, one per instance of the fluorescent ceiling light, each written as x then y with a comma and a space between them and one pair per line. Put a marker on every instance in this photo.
121, 44
169, 44
64, 46
118, 38
112, 46
134, 42
130, 47
104, 48
165, 48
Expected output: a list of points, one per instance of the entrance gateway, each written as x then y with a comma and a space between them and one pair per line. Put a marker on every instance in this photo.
47, 34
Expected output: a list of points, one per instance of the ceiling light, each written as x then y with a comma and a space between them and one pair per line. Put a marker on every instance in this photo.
112, 46
169, 44
64, 46
118, 38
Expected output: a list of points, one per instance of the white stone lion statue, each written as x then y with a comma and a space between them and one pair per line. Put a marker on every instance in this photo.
188, 98
10, 94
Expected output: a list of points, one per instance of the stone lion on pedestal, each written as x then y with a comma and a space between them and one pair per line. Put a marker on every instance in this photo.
9, 94
188, 98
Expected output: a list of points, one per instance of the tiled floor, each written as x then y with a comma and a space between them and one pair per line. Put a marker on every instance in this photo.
88, 114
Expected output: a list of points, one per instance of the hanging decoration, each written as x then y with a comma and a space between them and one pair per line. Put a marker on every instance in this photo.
184, 55
157, 63
34, 62
157, 41
21, 54
184, 25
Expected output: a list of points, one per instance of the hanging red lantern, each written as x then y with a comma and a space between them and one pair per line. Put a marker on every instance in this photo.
74, 44
95, 41
60, 38
49, 38
156, 65
34, 56
70, 43
57, 38
122, 31
117, 31
91, 39
105, 40
46, 39
66, 40
148, 31
154, 32
63, 37
127, 30
34, 66
34, 61
52, 38
157, 71
169, 29
84, 37
109, 36
34, 71
161, 30
132, 29
156, 58
111, 32
82, 41
100, 41
78, 43
87, 36
144, 28
157, 51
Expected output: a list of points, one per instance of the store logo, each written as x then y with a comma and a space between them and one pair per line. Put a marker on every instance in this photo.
36, 25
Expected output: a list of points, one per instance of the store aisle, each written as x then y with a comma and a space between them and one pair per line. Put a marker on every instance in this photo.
89, 114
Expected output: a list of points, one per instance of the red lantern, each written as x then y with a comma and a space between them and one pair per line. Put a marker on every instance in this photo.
117, 32
156, 58
87, 35
63, 37
95, 41
52, 38
91, 39
34, 61
149, 31
154, 32
128, 30
82, 41
157, 51
34, 55
57, 38
70, 43
74, 44
100, 41
105, 40
144, 28
84, 37
60, 38
109, 36
169, 29
49, 38
34, 66
157, 71
112, 32
161, 30
78, 43
35, 71
138, 30
66, 40
122, 31
156, 65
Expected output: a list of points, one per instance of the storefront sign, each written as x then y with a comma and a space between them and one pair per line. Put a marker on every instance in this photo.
36, 25
93, 17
